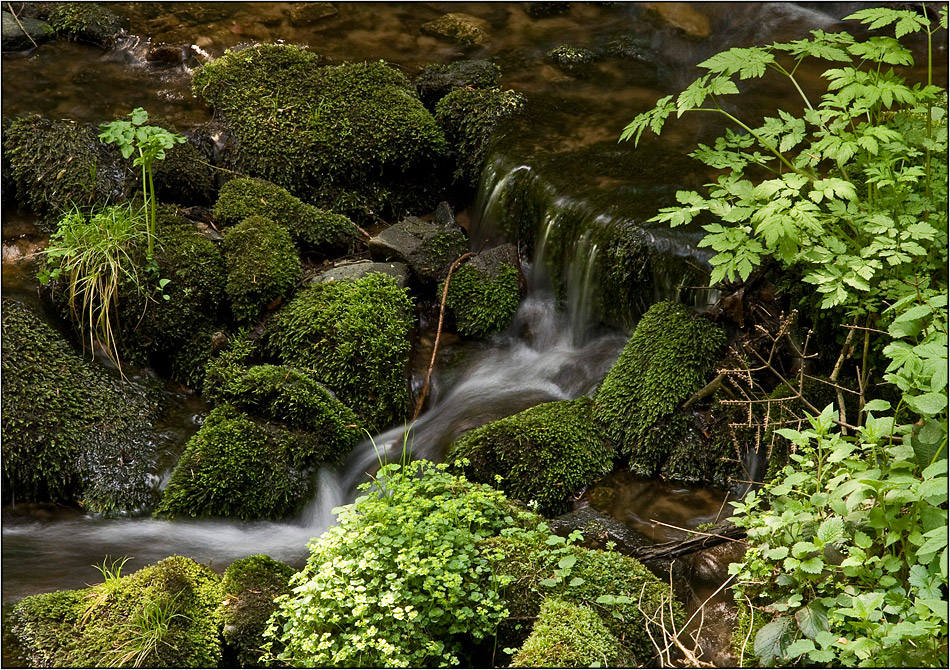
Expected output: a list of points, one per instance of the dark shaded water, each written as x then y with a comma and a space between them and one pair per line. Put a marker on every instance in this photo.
569, 146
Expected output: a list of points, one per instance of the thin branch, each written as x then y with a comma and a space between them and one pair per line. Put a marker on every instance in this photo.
17, 19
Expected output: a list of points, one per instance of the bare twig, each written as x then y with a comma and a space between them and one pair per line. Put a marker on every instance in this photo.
17, 19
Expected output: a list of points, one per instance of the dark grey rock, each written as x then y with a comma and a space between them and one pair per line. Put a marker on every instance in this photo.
428, 248
360, 269
14, 37
434, 82
598, 529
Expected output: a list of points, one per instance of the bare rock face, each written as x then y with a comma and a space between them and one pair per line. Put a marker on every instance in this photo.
25, 34
463, 29
359, 269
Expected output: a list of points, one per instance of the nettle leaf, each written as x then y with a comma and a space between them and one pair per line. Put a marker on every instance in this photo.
930, 404
812, 620
831, 529
773, 639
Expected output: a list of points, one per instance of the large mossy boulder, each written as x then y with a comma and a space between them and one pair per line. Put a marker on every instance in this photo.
88, 22
56, 164
670, 356
162, 616
236, 466
280, 393
308, 225
262, 265
428, 247
580, 577
70, 429
250, 586
353, 336
173, 334
434, 82
543, 454
352, 138
485, 291
470, 118
567, 635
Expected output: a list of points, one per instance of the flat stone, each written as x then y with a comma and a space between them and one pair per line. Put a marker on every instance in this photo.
428, 248
598, 529
14, 37
359, 269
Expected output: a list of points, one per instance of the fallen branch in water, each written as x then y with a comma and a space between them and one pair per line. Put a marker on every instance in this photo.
721, 532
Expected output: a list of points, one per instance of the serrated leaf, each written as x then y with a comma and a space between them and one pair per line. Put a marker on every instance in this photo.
772, 639
799, 647
830, 529
812, 620
930, 404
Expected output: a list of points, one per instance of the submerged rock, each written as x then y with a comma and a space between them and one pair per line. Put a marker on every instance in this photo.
462, 29
599, 529
25, 34
88, 22
162, 616
71, 431
428, 248
434, 82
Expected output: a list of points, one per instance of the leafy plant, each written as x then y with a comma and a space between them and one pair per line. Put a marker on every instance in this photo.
94, 256
149, 144
858, 189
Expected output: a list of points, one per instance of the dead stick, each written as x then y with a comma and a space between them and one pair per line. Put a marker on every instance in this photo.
17, 19
438, 333
695, 532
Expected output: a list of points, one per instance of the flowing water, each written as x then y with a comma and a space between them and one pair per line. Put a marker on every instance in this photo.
557, 348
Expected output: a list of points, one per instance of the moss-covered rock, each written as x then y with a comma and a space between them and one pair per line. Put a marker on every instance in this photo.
429, 248
184, 176
462, 29
161, 616
571, 59
245, 196
469, 118
544, 453
173, 334
250, 586
354, 336
279, 393
484, 292
526, 558
434, 82
71, 430
669, 357
567, 635
86, 22
239, 467
352, 138
58, 164
262, 264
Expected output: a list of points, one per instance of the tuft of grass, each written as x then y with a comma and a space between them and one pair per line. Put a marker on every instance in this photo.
146, 630
92, 255
103, 592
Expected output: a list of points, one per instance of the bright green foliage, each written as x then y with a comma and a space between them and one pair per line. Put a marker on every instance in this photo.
857, 195
566, 635
851, 552
92, 258
237, 467
250, 586
57, 164
159, 616
354, 338
544, 453
469, 118
59, 412
483, 304
668, 358
399, 581
148, 143
279, 393
244, 196
352, 138
537, 565
175, 325
262, 265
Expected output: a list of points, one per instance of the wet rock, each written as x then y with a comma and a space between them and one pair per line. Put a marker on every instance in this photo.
434, 82
485, 291
428, 248
571, 59
599, 529
24, 35
543, 10
306, 13
87, 22
359, 269
166, 54
681, 15
462, 29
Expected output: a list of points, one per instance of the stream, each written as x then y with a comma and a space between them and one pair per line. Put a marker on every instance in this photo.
556, 349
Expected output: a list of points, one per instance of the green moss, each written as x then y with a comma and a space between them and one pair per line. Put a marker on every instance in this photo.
566, 635
483, 304
527, 558
86, 22
352, 138
544, 453
250, 586
668, 358
262, 264
104, 626
173, 335
56, 164
235, 466
575, 60
279, 393
748, 624
243, 197
435, 81
70, 430
354, 337
469, 118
